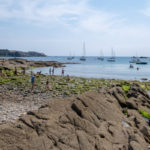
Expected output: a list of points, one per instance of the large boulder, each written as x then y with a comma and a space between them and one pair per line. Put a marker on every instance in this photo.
92, 121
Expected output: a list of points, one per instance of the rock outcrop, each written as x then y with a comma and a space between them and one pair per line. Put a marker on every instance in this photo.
92, 121
23, 63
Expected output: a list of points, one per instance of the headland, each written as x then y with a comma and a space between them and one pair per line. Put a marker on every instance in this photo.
17, 53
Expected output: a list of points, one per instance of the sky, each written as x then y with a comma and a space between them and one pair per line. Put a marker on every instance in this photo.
60, 27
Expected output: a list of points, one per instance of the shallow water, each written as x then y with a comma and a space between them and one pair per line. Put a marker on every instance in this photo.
94, 68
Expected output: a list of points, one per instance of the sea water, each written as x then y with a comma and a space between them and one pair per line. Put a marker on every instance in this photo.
94, 68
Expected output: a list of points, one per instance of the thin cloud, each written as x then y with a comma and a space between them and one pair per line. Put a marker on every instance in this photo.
71, 21
73, 14
146, 11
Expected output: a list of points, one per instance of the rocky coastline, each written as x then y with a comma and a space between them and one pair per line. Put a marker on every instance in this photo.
23, 63
79, 114
95, 120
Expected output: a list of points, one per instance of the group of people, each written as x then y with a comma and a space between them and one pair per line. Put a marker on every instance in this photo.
15, 72
131, 67
51, 72
1, 71
33, 83
23, 71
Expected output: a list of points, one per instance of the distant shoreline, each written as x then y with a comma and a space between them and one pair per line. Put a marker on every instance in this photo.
18, 53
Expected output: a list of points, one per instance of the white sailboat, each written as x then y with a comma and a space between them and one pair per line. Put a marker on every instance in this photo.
134, 59
83, 58
101, 57
112, 58
70, 57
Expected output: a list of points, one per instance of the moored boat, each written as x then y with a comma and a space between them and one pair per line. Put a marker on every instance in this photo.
143, 57
112, 58
70, 57
142, 63
139, 62
101, 57
134, 60
83, 58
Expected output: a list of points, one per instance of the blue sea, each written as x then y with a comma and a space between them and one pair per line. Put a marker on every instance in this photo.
94, 68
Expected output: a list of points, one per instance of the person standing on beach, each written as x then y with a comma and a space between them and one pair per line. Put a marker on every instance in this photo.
3, 62
50, 71
47, 84
62, 72
15, 72
1, 71
53, 71
32, 82
39, 73
68, 78
24, 71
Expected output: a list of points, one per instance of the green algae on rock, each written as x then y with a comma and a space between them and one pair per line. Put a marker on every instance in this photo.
60, 87
144, 114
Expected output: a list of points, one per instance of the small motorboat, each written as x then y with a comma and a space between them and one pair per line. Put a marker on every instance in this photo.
143, 57
142, 63
139, 62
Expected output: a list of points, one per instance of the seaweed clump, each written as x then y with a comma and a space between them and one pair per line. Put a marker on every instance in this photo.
144, 114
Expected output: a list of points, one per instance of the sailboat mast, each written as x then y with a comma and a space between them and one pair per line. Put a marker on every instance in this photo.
101, 53
112, 53
84, 49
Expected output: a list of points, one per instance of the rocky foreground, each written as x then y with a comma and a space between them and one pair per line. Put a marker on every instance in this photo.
105, 120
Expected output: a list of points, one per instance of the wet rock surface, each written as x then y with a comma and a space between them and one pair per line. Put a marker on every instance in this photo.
91, 121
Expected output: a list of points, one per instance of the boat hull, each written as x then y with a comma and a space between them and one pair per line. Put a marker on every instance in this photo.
100, 59
142, 63
111, 60
83, 59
